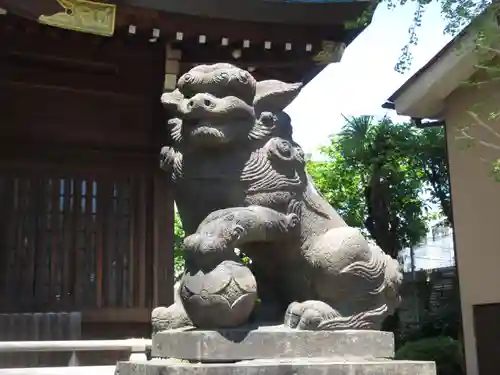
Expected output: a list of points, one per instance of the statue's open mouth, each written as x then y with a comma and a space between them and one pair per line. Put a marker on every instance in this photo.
217, 131
207, 130
207, 134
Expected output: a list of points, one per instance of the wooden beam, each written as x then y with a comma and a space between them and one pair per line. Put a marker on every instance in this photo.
17, 34
31, 9
150, 22
255, 55
63, 160
117, 315
47, 148
72, 90
77, 80
256, 32
192, 26
245, 64
67, 63
287, 71
244, 11
74, 63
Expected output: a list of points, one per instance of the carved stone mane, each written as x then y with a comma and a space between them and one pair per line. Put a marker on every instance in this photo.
241, 182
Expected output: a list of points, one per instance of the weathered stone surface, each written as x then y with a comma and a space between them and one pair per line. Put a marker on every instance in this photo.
270, 342
223, 297
297, 366
240, 182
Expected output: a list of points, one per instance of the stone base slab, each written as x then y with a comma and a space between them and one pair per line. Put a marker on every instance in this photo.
296, 366
270, 342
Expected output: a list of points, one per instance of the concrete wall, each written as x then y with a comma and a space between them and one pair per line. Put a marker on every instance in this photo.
476, 204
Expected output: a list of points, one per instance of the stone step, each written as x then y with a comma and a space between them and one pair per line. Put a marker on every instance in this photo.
298, 366
229, 345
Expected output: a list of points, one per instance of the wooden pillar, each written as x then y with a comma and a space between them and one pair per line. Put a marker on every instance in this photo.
163, 240
172, 68
163, 206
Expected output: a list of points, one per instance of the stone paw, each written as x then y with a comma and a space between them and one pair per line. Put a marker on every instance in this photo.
167, 157
293, 220
165, 318
309, 315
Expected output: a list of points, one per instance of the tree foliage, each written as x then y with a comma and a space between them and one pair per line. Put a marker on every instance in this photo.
340, 184
457, 14
178, 241
444, 351
376, 174
482, 17
430, 156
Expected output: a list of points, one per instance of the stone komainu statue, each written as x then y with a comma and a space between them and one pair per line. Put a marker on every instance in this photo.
240, 182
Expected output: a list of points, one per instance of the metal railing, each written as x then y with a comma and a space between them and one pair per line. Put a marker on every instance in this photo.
84, 370
137, 348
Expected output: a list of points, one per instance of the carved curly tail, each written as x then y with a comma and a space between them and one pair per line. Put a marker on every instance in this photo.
365, 320
393, 281
383, 271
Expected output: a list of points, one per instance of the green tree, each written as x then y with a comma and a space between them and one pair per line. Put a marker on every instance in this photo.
482, 16
179, 235
457, 14
375, 174
340, 184
366, 151
430, 156
369, 176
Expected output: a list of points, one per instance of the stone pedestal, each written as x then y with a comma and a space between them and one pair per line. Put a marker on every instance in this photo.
273, 351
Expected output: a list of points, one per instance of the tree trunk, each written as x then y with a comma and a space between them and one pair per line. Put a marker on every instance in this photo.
391, 324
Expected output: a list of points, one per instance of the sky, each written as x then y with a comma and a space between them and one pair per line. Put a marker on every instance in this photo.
365, 77
359, 85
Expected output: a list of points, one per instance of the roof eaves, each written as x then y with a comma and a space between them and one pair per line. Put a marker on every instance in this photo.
389, 104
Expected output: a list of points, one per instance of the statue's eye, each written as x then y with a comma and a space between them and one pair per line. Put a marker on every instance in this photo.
222, 77
299, 152
243, 76
186, 79
284, 148
186, 85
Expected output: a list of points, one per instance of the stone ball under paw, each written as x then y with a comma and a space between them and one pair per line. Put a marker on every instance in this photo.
164, 318
221, 298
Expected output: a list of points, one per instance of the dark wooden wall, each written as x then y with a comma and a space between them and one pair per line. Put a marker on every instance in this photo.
487, 329
85, 213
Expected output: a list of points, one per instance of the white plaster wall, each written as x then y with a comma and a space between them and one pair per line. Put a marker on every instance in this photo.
476, 204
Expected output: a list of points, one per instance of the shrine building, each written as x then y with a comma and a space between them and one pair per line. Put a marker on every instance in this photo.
86, 214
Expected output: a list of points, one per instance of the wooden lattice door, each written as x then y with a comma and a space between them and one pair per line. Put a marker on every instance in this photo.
74, 242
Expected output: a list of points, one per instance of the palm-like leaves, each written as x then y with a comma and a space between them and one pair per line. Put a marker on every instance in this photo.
356, 139
375, 176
